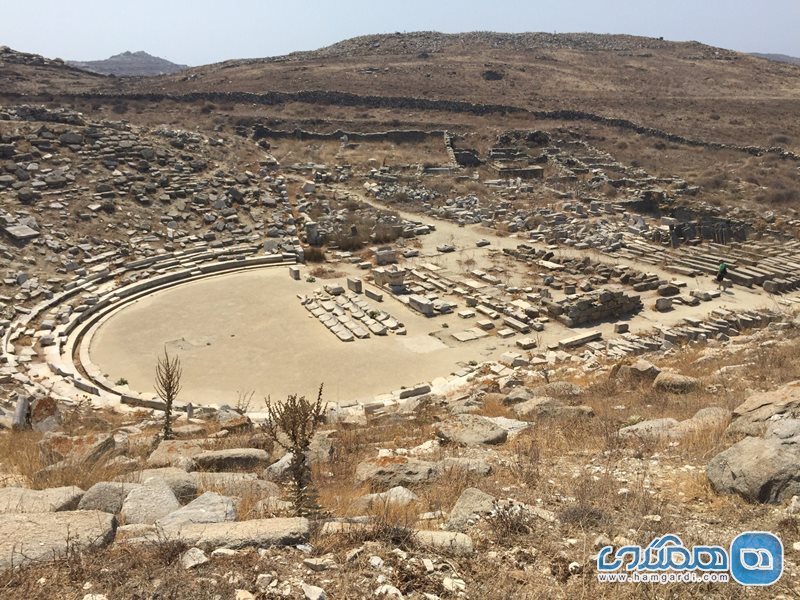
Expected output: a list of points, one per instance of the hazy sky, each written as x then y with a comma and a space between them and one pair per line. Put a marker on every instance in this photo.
202, 31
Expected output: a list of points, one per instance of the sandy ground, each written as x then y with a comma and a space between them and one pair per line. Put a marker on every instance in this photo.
247, 331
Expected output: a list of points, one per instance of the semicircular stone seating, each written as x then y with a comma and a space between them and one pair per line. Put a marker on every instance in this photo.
46, 348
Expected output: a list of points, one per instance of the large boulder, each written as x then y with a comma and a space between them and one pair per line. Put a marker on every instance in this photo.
235, 484
84, 449
176, 453
23, 500
397, 496
517, 395
759, 469
257, 533
473, 466
668, 289
469, 404
148, 503
511, 426
704, 420
472, 503
753, 415
71, 138
471, 430
45, 414
639, 370
544, 407
321, 447
233, 459
44, 536
106, 496
785, 430
393, 471
319, 450
281, 469
232, 420
558, 389
445, 541
206, 508
182, 484
675, 383
652, 428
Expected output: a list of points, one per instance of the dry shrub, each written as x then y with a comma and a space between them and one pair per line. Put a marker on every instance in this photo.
445, 490
390, 523
78, 474
393, 523
291, 424
21, 457
20, 452
334, 479
383, 234
321, 272
703, 444
693, 488
714, 180
314, 255
494, 407
780, 139
246, 506
508, 520
600, 500
584, 516
525, 457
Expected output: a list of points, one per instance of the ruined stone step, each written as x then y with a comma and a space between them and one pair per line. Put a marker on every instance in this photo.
580, 339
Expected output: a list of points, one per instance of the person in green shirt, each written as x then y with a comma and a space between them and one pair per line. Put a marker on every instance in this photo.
721, 273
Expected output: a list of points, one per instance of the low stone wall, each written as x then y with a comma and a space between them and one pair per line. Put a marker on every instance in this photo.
335, 98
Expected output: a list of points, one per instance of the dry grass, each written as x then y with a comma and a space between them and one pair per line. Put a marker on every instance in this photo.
321, 272
140, 571
445, 490
494, 407
22, 459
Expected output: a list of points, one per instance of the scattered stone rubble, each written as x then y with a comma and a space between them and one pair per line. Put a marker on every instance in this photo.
349, 316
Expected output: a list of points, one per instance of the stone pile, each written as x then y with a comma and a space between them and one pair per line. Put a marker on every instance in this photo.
349, 316
64, 177
590, 271
419, 288
721, 325
593, 306
352, 223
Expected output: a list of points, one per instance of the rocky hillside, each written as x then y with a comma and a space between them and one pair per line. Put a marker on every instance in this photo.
431, 501
686, 86
431, 42
23, 72
784, 58
130, 64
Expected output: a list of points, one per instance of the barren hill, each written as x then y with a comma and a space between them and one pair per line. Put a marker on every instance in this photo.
130, 64
783, 58
687, 87
24, 73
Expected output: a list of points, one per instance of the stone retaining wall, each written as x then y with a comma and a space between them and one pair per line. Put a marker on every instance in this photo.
404, 102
